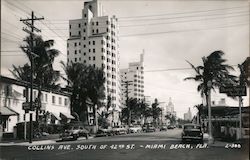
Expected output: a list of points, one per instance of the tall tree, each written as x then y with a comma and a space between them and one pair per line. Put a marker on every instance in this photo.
214, 70
86, 83
44, 74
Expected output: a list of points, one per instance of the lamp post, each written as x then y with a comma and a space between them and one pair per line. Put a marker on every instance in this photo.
210, 138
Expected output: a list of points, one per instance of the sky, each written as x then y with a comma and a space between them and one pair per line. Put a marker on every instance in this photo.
170, 33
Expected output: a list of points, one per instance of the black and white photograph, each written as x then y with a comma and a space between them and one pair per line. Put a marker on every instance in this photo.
124, 80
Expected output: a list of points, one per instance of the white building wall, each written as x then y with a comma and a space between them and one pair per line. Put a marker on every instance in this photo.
93, 40
135, 76
17, 98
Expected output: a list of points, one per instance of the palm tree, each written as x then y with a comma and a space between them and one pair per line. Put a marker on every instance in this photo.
86, 82
43, 56
199, 107
213, 70
213, 73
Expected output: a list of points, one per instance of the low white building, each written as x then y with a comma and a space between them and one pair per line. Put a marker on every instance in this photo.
55, 104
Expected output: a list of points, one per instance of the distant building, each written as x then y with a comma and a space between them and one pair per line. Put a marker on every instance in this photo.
188, 115
135, 75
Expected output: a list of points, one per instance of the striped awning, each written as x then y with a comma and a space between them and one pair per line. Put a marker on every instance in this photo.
7, 111
57, 116
67, 115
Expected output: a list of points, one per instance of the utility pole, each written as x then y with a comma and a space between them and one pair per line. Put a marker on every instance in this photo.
127, 83
29, 22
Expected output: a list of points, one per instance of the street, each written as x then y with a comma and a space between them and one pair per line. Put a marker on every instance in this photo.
147, 146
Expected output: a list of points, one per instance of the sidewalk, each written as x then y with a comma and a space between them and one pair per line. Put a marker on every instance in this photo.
36, 142
219, 143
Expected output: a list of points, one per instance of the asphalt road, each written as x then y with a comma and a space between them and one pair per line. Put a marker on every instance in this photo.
165, 145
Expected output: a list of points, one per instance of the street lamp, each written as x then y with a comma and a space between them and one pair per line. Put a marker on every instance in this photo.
209, 86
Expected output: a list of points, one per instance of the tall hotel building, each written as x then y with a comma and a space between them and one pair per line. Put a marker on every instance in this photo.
93, 40
134, 75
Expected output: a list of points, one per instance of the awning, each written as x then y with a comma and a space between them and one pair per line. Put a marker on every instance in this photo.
7, 111
57, 116
67, 115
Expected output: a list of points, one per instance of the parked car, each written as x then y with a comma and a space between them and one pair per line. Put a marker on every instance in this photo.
118, 130
74, 132
192, 132
163, 128
104, 132
150, 128
135, 129
171, 127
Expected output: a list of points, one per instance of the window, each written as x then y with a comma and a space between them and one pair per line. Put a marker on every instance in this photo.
89, 43
89, 58
79, 43
94, 65
79, 33
89, 50
93, 31
103, 58
107, 22
46, 97
67, 52
84, 61
85, 24
103, 65
94, 58
93, 50
97, 23
67, 44
97, 31
75, 51
75, 44
84, 30
84, 46
79, 51
103, 50
102, 42
75, 59
80, 59
84, 53
42, 99
79, 25
70, 26
84, 38
60, 100
107, 30
65, 101
93, 23
53, 100
93, 42
85, 15
69, 33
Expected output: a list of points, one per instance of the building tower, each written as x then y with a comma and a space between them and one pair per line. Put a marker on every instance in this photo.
135, 74
93, 40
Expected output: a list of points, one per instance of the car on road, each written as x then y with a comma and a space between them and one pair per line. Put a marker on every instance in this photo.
171, 127
192, 132
135, 129
74, 132
163, 128
118, 130
150, 128
102, 132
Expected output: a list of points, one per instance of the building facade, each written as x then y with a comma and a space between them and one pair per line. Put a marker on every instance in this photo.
93, 40
188, 115
134, 76
12, 96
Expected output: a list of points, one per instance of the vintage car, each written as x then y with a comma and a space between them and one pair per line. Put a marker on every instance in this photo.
192, 132
150, 128
118, 130
135, 129
74, 132
163, 128
104, 132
